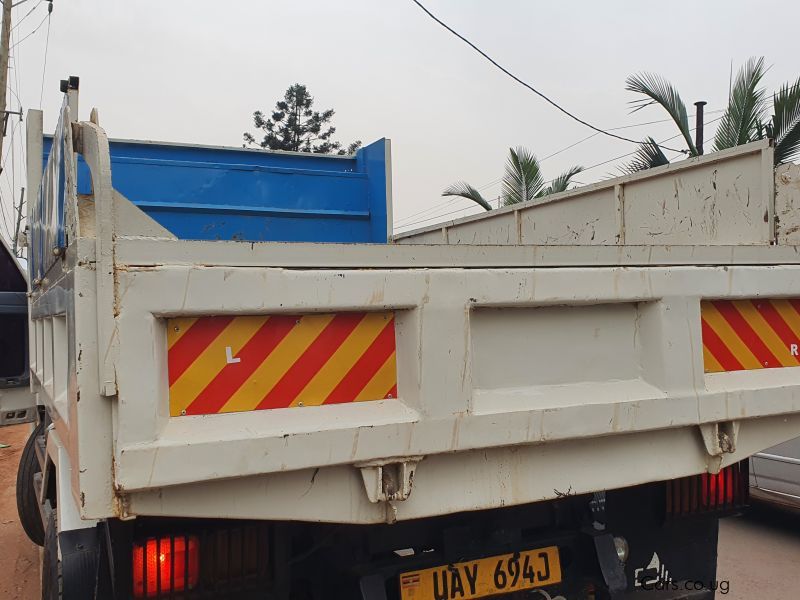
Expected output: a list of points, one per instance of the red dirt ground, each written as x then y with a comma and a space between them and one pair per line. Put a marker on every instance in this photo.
19, 558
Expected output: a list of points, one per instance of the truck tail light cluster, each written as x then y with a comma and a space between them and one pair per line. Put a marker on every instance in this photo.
725, 491
218, 561
165, 565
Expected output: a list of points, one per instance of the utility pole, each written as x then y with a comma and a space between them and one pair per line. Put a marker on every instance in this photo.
5, 36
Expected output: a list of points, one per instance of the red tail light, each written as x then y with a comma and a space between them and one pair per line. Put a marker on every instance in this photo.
706, 493
162, 566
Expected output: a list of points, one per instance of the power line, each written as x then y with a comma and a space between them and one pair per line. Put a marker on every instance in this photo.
27, 14
588, 137
557, 152
527, 85
39, 26
451, 200
46, 48
442, 215
605, 162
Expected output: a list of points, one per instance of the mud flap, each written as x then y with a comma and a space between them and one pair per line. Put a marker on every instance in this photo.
613, 570
80, 550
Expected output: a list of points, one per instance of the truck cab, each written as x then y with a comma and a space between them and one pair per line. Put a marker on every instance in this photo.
17, 403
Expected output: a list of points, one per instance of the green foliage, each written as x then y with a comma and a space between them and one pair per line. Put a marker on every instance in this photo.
742, 122
662, 92
523, 177
294, 126
465, 190
786, 122
560, 183
647, 156
746, 107
522, 181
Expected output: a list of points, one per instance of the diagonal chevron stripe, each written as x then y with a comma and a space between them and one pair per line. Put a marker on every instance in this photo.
280, 360
728, 338
178, 328
365, 368
750, 334
771, 329
342, 360
211, 361
192, 342
309, 363
382, 382
226, 364
233, 376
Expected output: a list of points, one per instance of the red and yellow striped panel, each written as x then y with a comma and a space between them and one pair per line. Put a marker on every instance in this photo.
230, 364
750, 334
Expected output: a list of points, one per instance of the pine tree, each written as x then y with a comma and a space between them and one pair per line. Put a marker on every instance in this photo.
295, 126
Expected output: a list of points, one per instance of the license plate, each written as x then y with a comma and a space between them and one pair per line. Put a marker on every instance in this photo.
484, 577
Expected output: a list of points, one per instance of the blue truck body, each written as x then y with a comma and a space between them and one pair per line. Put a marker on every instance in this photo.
213, 193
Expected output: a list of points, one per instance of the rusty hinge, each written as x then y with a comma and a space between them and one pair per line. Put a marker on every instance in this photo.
390, 479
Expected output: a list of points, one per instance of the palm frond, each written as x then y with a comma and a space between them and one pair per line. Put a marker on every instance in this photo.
560, 183
786, 122
465, 190
662, 92
648, 155
746, 107
523, 177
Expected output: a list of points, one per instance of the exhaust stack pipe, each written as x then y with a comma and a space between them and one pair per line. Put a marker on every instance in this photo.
698, 132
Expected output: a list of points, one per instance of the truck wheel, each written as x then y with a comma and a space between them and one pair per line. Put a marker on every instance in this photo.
51, 569
27, 505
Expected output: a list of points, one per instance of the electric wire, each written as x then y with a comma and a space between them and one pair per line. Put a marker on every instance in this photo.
38, 27
557, 152
605, 162
529, 86
12, 83
27, 14
587, 138
44, 68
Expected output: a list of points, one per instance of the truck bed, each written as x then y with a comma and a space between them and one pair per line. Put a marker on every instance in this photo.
524, 372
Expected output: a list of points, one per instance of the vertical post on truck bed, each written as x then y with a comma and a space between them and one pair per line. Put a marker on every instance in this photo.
34, 150
94, 148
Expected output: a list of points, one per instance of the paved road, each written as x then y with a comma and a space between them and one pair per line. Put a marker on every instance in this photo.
759, 554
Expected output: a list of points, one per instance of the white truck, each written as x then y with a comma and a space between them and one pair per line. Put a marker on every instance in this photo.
244, 388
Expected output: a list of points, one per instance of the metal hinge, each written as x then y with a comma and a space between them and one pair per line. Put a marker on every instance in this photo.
719, 439
390, 479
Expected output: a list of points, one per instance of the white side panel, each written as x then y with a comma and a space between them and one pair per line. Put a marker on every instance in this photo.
459, 482
787, 204
502, 230
721, 205
589, 219
722, 198
574, 354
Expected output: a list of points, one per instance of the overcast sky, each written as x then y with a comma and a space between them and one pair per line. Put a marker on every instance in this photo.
195, 70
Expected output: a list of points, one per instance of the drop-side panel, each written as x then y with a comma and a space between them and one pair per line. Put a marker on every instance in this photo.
722, 198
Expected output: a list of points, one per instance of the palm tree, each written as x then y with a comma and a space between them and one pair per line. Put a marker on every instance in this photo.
742, 122
522, 181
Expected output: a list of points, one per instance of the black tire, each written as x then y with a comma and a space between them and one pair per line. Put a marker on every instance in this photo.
51, 571
27, 504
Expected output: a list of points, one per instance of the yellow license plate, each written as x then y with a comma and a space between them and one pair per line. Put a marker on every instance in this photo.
484, 577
